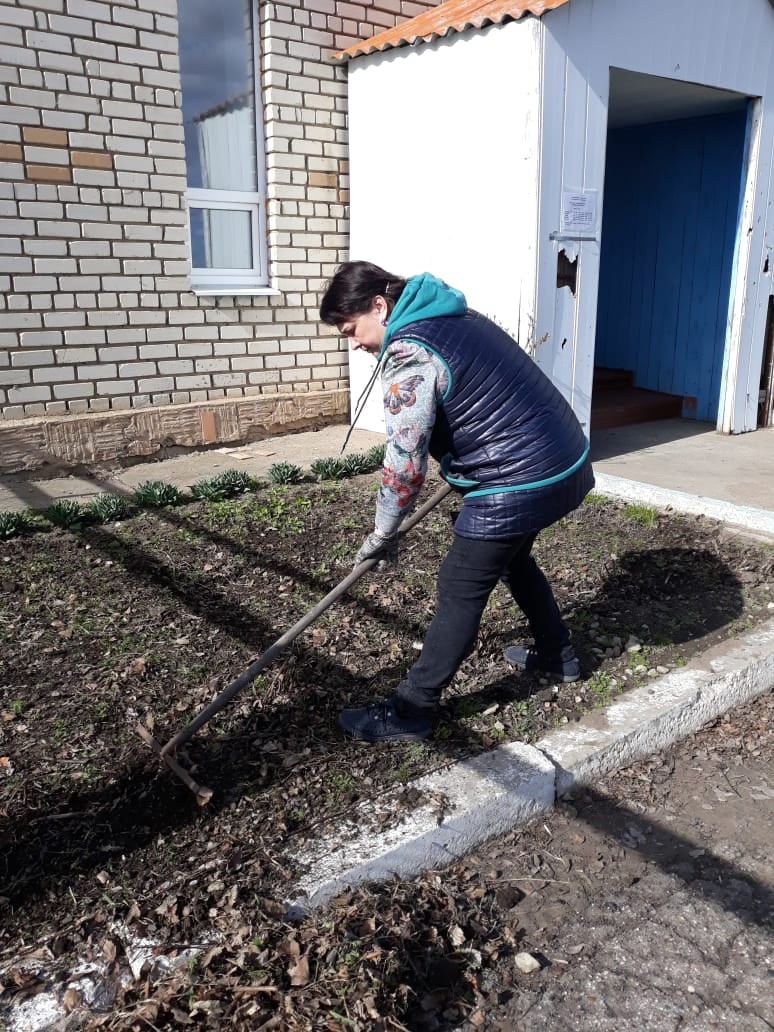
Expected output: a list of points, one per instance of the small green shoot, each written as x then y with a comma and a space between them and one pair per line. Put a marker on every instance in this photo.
285, 473
600, 687
155, 494
107, 508
65, 513
356, 464
375, 455
329, 469
642, 514
12, 524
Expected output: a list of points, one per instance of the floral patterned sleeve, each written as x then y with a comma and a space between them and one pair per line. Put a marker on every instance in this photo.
414, 381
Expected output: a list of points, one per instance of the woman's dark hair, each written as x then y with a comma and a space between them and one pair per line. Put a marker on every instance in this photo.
353, 289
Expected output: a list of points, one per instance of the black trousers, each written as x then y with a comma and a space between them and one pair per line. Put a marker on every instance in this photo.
467, 577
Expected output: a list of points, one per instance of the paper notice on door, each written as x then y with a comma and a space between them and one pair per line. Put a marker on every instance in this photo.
579, 212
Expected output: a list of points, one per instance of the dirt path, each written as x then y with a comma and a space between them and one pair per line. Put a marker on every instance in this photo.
650, 904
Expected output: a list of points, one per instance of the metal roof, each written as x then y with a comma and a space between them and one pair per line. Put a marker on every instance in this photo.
451, 16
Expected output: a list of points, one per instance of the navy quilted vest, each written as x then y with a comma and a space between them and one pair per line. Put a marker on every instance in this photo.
505, 435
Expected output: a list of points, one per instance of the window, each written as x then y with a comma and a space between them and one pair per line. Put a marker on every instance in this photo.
223, 146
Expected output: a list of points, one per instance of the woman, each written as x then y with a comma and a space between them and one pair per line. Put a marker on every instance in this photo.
459, 388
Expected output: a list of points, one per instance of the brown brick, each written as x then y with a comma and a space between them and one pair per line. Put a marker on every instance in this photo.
91, 159
209, 431
325, 179
49, 173
10, 152
44, 137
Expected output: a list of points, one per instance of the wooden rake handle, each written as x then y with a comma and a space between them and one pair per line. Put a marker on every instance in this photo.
222, 700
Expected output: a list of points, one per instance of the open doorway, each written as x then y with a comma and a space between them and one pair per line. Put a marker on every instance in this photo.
673, 184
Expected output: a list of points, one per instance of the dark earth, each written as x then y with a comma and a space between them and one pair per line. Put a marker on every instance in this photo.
146, 620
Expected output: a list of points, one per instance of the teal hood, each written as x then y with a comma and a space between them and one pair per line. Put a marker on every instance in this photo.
423, 297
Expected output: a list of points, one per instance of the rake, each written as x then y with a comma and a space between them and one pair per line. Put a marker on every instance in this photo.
165, 752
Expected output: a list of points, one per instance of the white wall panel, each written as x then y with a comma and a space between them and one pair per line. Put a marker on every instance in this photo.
444, 171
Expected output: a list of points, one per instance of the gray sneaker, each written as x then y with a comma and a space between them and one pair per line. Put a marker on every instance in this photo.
564, 667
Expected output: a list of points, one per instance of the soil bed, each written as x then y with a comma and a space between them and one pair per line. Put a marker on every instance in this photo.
148, 619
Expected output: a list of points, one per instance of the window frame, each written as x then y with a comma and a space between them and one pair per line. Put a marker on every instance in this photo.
253, 280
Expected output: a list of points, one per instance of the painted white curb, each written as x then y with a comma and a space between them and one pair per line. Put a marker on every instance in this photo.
699, 505
502, 789
475, 799
648, 719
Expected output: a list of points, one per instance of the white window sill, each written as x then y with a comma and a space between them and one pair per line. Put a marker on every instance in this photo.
236, 291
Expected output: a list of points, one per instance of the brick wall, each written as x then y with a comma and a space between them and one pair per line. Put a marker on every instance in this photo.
96, 311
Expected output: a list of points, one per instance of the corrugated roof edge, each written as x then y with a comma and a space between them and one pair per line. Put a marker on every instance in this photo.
451, 16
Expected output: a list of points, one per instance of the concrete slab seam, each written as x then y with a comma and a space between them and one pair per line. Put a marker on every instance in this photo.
698, 505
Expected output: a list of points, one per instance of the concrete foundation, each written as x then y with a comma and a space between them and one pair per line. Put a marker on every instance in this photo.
114, 438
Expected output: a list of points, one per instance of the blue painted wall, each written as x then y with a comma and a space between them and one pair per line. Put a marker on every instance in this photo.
671, 210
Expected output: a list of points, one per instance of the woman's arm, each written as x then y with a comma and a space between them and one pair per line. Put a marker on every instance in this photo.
413, 382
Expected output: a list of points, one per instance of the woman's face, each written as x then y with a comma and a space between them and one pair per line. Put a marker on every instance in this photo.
366, 330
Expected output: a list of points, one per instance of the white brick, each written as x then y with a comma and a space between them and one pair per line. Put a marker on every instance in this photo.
54, 374
81, 283
47, 155
91, 248
34, 284
32, 77
98, 266
126, 336
59, 229
14, 377
71, 26
94, 48
84, 338
155, 77
107, 370
16, 16
116, 33
158, 383
138, 56
122, 109
18, 56
86, 105
118, 354
74, 390
125, 16
15, 265
192, 382
93, 176
49, 41
157, 351
63, 120
58, 266
89, 9
60, 62
64, 319
106, 318
176, 368
24, 395
133, 369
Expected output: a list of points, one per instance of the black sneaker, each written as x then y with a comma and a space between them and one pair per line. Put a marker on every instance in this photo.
561, 669
390, 721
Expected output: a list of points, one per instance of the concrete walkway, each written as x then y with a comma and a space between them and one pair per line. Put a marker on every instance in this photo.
684, 466
672, 463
